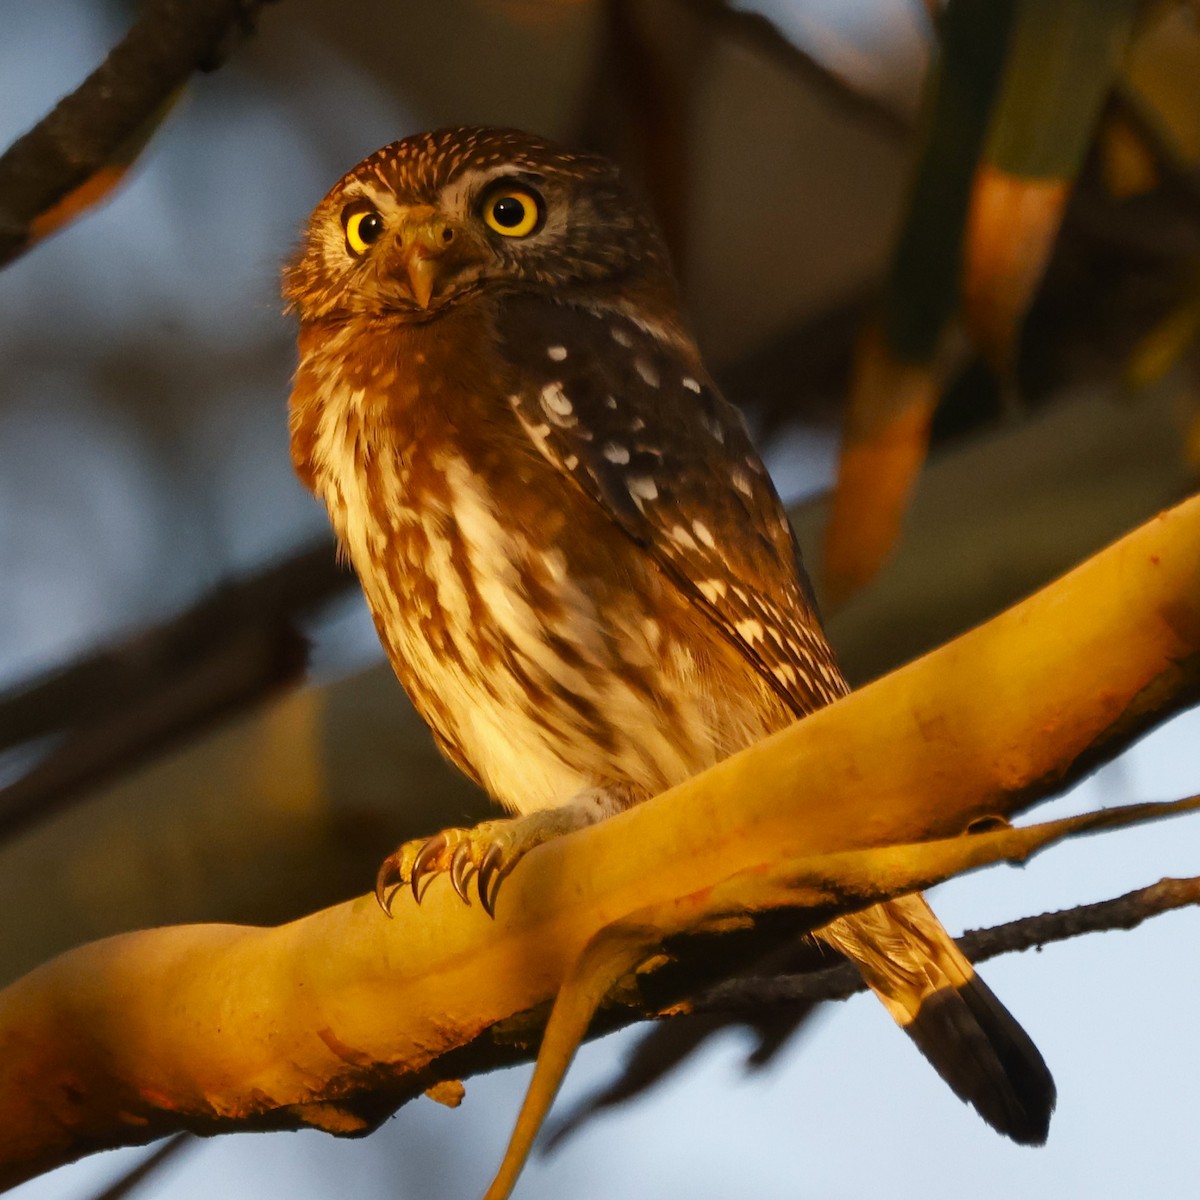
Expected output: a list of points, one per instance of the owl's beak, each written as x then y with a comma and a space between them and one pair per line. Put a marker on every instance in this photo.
422, 277
425, 237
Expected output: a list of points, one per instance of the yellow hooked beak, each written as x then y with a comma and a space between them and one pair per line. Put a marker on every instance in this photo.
424, 239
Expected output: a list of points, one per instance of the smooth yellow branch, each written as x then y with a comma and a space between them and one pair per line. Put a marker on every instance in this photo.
345, 1012
822, 885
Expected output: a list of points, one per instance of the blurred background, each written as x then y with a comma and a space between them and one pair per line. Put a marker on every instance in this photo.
948, 261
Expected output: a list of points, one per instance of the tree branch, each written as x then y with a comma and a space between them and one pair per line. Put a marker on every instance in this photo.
86, 130
336, 1019
753, 994
117, 706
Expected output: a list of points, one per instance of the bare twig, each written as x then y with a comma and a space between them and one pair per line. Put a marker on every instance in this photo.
170, 40
751, 995
149, 1165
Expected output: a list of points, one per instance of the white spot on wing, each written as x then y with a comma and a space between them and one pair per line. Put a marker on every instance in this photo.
691, 384
621, 337
556, 353
704, 534
554, 400
616, 453
741, 481
642, 487
712, 589
749, 631
646, 371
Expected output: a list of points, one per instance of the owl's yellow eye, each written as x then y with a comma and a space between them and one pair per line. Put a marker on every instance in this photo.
363, 226
514, 212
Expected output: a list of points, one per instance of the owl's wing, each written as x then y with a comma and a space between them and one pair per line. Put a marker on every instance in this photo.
648, 437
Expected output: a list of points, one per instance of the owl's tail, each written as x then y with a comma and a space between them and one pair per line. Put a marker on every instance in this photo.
926, 983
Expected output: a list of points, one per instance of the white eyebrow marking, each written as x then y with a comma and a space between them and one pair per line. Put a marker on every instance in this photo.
556, 353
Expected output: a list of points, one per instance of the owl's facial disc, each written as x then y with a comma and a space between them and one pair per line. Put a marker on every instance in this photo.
433, 254
418, 248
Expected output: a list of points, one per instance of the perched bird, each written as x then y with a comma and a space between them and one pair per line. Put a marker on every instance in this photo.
575, 559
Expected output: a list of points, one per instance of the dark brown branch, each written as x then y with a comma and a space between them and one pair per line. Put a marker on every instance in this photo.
114, 708
170, 40
838, 983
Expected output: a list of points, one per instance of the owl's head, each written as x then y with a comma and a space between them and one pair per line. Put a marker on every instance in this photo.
438, 217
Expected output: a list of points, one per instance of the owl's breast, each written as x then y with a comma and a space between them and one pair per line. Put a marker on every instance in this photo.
546, 650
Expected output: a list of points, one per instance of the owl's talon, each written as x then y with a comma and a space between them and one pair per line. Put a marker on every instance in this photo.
385, 890
423, 864
491, 872
461, 867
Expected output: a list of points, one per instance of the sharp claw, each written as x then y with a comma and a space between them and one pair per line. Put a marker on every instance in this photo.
425, 856
461, 867
489, 878
384, 894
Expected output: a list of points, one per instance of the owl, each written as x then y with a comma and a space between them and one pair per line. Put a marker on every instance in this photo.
574, 557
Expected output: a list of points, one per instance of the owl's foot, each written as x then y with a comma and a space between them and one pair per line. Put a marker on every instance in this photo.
489, 851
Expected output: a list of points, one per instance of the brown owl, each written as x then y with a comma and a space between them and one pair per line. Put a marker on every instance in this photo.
575, 559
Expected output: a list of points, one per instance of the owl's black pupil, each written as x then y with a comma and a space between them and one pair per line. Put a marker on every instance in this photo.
508, 211
370, 227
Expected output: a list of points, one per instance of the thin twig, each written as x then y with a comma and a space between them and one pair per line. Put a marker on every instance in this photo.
839, 982
148, 1166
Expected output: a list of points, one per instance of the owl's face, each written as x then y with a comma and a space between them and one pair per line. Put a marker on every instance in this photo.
436, 218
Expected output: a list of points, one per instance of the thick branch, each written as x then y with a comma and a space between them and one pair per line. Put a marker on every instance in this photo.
334, 1019
170, 40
